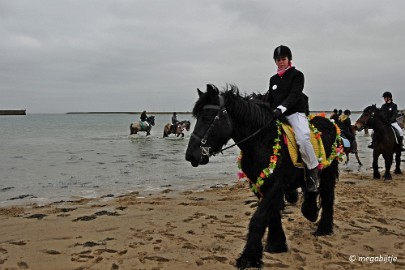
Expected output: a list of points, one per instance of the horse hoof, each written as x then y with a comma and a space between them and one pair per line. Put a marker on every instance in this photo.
322, 232
276, 248
309, 207
398, 171
310, 213
243, 263
291, 197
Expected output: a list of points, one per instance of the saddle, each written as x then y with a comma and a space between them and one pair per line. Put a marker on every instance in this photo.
144, 125
396, 134
289, 139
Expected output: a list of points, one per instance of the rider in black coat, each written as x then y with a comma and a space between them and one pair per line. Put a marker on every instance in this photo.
390, 111
144, 117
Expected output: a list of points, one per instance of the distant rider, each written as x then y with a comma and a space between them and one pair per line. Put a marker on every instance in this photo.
345, 125
390, 110
175, 122
144, 118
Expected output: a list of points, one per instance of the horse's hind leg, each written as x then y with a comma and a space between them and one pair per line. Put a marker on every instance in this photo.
309, 207
358, 159
388, 163
327, 193
398, 162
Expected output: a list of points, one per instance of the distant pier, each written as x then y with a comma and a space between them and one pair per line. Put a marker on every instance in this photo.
13, 112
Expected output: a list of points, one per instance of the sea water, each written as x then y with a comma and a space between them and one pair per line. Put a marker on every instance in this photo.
53, 157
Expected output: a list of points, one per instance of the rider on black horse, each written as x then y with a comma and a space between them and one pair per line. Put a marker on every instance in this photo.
390, 110
175, 122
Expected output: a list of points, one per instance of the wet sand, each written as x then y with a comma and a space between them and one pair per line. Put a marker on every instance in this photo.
203, 230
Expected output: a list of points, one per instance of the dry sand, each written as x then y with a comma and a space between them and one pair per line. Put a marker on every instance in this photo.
204, 230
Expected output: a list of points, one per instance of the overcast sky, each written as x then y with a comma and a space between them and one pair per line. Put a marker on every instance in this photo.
96, 55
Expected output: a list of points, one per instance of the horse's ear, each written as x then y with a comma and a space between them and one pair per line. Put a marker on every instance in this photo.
212, 89
199, 92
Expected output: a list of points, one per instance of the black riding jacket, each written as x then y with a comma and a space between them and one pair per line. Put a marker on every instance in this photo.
143, 117
390, 111
287, 91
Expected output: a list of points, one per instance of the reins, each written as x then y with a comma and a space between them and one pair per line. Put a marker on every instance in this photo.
243, 140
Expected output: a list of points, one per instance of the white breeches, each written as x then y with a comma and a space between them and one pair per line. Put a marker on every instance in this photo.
299, 123
397, 127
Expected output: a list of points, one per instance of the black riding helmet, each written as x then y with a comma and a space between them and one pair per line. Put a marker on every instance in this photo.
387, 94
282, 51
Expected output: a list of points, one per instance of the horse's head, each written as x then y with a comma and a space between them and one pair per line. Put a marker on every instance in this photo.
187, 125
212, 129
366, 119
151, 120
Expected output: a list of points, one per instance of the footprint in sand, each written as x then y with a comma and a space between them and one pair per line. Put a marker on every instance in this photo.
18, 243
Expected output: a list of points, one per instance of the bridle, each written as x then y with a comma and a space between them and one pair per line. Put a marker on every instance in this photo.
370, 118
206, 150
221, 111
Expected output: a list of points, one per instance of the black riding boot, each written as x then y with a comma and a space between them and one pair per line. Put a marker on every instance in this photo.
313, 181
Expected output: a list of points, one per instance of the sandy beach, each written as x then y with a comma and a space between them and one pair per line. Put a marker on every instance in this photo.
204, 230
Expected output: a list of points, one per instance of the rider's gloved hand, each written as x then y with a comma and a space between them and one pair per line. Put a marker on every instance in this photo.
277, 113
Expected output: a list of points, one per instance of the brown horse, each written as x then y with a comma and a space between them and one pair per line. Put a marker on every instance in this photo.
169, 128
352, 148
134, 128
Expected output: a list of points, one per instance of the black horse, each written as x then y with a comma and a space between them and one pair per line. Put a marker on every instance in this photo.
384, 141
134, 128
226, 115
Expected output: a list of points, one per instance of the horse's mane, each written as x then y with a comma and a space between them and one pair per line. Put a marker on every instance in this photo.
248, 108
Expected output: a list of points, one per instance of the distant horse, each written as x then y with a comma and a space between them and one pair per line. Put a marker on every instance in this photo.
178, 130
134, 128
384, 141
352, 148
227, 115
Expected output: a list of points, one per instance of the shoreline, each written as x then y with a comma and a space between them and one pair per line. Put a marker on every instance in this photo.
202, 230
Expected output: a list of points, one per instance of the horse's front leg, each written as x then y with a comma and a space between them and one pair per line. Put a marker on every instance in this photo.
252, 254
376, 173
388, 163
276, 240
398, 162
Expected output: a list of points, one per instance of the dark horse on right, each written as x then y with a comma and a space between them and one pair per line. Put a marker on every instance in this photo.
384, 140
251, 123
